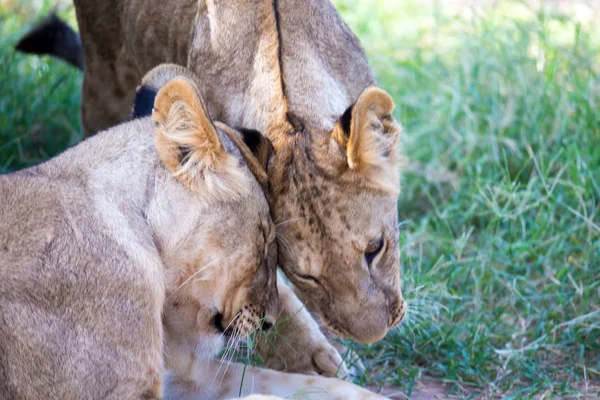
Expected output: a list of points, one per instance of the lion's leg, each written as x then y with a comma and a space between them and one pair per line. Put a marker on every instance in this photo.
295, 343
214, 380
107, 94
110, 74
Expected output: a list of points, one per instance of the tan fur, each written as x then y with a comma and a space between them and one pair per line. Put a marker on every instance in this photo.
191, 338
327, 212
235, 379
97, 241
372, 145
307, 352
258, 162
184, 124
191, 341
288, 68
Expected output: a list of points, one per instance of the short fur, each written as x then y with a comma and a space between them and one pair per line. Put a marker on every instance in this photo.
192, 375
289, 69
95, 242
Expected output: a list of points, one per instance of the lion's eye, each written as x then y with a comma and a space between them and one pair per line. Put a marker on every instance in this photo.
373, 249
307, 278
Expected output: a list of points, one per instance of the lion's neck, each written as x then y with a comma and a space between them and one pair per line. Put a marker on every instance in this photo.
115, 165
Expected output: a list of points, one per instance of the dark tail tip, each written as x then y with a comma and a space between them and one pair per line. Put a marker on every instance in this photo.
52, 36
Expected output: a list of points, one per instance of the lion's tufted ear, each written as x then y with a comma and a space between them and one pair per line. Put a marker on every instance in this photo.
260, 146
256, 150
369, 134
189, 145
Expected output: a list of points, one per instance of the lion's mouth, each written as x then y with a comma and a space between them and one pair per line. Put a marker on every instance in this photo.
244, 323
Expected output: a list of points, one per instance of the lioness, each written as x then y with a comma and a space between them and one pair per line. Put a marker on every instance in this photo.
293, 70
96, 241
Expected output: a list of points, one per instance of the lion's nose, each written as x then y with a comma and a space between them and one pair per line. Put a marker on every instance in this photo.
268, 323
398, 314
218, 322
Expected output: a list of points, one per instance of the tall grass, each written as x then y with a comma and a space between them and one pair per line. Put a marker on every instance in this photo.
499, 210
39, 98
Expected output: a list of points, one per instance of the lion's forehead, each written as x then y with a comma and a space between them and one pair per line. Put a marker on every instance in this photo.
327, 208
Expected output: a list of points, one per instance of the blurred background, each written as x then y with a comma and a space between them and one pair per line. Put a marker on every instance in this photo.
499, 213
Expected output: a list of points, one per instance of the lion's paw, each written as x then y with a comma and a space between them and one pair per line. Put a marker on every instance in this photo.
308, 358
327, 361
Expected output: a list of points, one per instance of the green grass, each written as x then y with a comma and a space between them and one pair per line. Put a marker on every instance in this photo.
500, 231
500, 228
39, 98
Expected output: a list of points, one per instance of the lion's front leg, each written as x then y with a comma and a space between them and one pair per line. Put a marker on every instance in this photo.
295, 343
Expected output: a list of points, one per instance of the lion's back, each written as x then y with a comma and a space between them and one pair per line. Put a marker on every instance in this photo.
70, 303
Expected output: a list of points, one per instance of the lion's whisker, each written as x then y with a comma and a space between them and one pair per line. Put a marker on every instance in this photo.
405, 222
228, 347
193, 275
290, 220
236, 333
283, 241
228, 325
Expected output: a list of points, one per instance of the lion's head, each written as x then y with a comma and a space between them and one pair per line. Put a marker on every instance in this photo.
220, 264
336, 217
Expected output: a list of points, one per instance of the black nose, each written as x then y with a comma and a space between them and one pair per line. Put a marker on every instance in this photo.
218, 322
267, 324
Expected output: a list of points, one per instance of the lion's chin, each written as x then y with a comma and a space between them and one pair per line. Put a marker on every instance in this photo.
366, 335
334, 328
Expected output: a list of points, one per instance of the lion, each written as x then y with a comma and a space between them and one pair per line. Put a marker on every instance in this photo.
96, 242
292, 70
88, 256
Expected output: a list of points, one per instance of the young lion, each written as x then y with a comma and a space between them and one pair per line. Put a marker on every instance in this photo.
95, 242
191, 337
294, 71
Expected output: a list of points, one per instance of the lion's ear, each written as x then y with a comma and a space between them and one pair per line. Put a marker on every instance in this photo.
256, 150
260, 147
369, 134
189, 145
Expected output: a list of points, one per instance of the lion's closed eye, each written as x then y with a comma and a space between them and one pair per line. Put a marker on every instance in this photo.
309, 279
374, 248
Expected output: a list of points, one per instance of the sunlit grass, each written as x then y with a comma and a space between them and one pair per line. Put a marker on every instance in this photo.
500, 233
